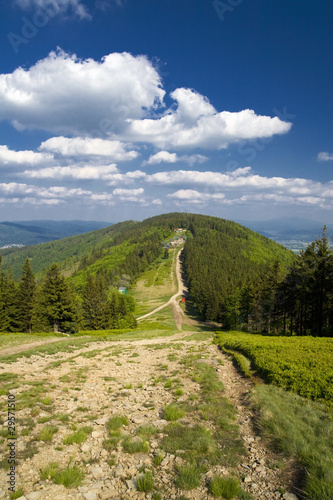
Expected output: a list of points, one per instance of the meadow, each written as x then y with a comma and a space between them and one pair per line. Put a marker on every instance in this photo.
303, 365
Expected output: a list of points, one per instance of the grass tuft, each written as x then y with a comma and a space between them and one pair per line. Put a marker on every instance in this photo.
46, 434
145, 482
173, 412
188, 477
117, 422
135, 445
78, 437
226, 487
302, 430
70, 477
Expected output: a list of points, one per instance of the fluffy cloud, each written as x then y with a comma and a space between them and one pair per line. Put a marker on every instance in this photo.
9, 157
104, 172
192, 196
54, 7
242, 186
166, 157
67, 95
108, 173
129, 194
19, 189
86, 146
196, 123
325, 156
115, 98
25, 194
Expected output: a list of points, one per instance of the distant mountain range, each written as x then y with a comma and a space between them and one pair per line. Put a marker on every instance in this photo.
41, 231
293, 233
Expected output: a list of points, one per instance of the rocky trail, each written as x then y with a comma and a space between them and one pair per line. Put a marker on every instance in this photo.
79, 393
124, 419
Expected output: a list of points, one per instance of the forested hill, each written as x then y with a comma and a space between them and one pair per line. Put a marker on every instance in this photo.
244, 280
220, 257
234, 252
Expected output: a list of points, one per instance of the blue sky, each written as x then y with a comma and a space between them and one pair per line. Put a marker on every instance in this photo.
117, 109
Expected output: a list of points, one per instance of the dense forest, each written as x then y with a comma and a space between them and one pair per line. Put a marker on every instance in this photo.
233, 280
53, 306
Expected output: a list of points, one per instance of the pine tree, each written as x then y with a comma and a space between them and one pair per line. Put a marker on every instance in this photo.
4, 313
12, 304
96, 310
26, 294
55, 303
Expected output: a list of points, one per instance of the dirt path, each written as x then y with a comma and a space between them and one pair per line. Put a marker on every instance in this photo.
26, 347
137, 379
178, 313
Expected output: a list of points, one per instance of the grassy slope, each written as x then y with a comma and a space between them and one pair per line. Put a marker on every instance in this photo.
156, 285
66, 252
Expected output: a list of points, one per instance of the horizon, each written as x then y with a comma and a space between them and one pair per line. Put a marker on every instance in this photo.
110, 110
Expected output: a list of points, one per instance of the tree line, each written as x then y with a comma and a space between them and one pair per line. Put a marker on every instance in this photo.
296, 301
52, 305
257, 295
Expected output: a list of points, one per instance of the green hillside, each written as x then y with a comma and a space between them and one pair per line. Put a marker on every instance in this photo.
107, 248
220, 257
67, 252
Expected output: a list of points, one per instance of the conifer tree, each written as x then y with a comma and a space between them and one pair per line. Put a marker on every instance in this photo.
12, 303
55, 304
26, 295
96, 310
4, 313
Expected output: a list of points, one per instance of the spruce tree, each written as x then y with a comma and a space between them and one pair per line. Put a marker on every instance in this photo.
4, 313
55, 304
96, 310
26, 294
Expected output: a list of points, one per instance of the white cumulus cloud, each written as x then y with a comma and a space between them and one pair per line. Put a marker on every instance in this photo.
133, 195
74, 171
8, 157
196, 123
87, 146
242, 186
193, 196
325, 156
166, 157
55, 7
68, 95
